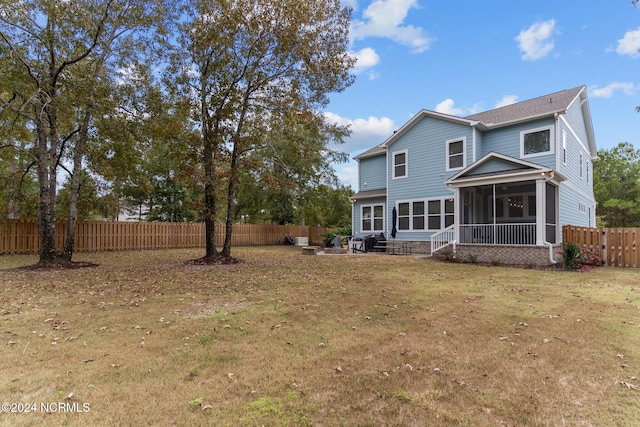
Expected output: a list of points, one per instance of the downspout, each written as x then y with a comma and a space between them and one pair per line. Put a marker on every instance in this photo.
553, 261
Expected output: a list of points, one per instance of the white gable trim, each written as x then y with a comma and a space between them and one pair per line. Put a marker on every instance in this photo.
422, 114
575, 135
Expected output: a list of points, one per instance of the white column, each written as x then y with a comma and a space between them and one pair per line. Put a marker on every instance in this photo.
540, 212
457, 211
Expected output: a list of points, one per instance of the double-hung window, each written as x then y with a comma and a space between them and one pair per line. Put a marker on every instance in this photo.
400, 164
456, 153
536, 142
373, 218
425, 215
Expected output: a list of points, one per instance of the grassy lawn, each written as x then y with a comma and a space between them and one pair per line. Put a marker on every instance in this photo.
293, 340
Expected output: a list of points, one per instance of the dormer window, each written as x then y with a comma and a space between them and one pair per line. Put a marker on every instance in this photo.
400, 164
536, 142
455, 154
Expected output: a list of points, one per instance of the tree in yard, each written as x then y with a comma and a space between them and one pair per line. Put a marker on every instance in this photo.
292, 179
616, 184
59, 62
250, 61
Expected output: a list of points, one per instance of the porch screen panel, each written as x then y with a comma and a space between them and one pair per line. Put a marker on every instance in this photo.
550, 213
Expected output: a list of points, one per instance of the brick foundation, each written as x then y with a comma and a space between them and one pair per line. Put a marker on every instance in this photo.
512, 255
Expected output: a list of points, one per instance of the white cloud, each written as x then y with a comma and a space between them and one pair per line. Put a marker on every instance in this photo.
365, 133
607, 92
630, 44
507, 100
365, 59
384, 18
535, 42
348, 174
446, 107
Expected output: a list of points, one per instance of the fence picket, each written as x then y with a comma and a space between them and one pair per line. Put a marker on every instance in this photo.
617, 246
21, 237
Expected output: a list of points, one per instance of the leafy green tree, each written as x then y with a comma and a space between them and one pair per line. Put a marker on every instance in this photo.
248, 61
616, 184
59, 62
94, 204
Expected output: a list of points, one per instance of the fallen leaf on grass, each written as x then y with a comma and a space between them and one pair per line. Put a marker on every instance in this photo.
628, 385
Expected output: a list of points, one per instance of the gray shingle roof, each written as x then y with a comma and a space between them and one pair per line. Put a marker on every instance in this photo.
368, 194
541, 106
378, 149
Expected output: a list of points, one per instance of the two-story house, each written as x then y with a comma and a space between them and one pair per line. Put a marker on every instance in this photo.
496, 186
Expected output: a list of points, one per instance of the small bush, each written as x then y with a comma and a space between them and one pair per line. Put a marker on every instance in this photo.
471, 259
576, 258
446, 254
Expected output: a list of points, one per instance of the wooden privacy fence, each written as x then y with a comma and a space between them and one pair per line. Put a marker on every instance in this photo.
617, 246
21, 237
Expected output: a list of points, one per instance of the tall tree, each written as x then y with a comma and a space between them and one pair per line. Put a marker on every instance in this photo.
616, 184
249, 60
293, 169
62, 58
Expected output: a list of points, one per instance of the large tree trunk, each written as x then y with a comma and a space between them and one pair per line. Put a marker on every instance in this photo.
46, 209
210, 204
231, 207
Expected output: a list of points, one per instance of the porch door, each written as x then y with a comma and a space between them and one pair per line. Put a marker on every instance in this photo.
551, 217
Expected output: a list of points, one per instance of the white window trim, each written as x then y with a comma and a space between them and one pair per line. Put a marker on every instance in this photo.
581, 166
373, 229
406, 164
543, 153
464, 153
426, 228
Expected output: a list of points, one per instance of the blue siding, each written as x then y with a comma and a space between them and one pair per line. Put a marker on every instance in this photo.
372, 172
357, 215
426, 148
576, 121
506, 140
494, 165
578, 186
570, 212
426, 160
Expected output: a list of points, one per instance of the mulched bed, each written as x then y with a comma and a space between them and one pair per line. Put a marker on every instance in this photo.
216, 260
57, 266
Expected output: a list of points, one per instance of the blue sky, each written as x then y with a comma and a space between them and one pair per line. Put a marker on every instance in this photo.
465, 56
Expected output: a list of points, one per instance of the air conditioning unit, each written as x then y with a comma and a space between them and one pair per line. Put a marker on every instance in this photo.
302, 241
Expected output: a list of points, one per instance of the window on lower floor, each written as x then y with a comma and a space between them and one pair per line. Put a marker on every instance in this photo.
373, 218
421, 215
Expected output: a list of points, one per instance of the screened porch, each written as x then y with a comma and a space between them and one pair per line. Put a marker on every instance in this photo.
508, 213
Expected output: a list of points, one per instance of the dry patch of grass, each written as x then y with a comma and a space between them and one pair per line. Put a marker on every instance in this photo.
284, 339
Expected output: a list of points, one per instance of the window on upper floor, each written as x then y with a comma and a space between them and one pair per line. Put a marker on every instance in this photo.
536, 142
455, 154
581, 162
400, 164
587, 171
373, 218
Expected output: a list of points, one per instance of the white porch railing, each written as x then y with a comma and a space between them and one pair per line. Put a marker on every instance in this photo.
498, 234
443, 238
